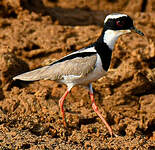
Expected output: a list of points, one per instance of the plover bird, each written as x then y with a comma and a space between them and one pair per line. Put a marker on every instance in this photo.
86, 65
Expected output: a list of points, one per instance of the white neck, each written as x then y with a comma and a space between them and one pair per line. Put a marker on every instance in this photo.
110, 37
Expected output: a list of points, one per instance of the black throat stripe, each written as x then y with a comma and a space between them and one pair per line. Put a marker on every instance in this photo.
105, 53
76, 55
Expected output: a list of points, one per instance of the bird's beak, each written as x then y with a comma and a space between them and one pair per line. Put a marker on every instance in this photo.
137, 31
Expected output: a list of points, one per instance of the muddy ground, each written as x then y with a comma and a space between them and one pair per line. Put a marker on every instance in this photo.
35, 33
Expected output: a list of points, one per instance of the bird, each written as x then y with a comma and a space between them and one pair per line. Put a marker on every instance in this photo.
86, 65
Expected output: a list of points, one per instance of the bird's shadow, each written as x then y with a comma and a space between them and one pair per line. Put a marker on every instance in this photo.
83, 121
20, 84
86, 121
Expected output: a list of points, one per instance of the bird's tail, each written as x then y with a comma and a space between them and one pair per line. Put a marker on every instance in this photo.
34, 75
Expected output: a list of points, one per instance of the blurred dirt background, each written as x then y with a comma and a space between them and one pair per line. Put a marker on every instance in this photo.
34, 33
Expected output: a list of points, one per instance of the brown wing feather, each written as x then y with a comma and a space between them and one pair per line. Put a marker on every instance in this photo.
78, 66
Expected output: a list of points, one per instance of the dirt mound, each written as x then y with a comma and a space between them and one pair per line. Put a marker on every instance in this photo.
35, 33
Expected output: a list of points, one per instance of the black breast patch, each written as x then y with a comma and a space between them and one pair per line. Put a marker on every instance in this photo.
105, 53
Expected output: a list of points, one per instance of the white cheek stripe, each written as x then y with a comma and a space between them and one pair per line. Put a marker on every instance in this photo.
111, 36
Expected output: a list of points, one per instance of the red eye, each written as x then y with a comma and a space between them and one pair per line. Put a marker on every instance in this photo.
120, 23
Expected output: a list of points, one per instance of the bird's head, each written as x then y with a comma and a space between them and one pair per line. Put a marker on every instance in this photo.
115, 25
121, 23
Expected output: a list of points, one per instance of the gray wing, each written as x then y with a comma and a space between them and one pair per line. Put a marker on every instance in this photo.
79, 66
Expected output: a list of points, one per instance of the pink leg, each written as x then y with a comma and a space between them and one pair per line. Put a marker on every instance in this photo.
61, 102
97, 111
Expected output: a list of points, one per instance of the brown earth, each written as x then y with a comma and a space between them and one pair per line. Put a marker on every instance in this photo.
35, 33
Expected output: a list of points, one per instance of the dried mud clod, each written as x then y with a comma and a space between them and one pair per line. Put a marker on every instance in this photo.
10, 66
10, 8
